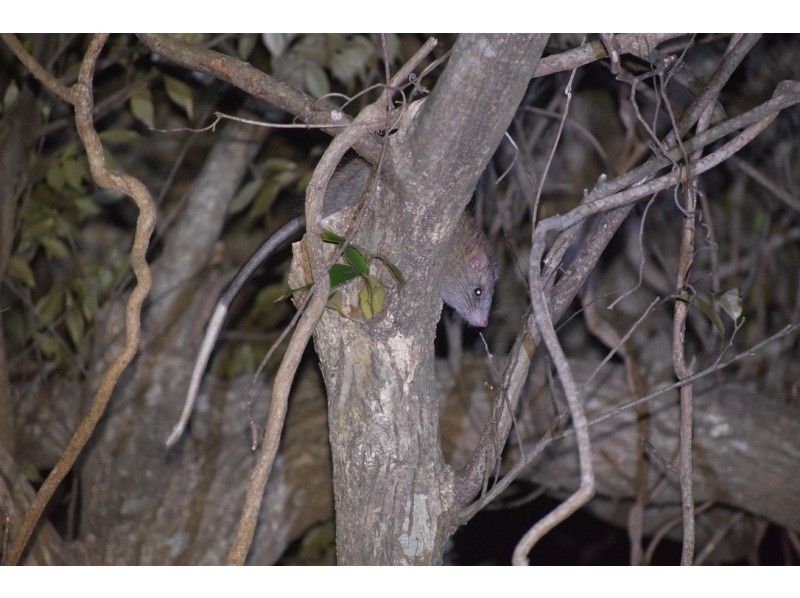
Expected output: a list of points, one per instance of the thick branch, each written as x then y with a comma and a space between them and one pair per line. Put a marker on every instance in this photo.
461, 124
638, 44
258, 84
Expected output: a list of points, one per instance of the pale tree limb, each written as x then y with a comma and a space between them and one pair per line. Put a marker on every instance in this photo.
80, 95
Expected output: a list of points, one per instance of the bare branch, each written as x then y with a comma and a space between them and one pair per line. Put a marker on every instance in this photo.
37, 70
81, 94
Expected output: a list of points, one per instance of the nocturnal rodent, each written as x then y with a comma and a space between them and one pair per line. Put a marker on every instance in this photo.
468, 279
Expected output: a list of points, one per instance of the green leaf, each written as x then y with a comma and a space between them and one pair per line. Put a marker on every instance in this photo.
119, 136
180, 93
142, 107
10, 96
352, 59
315, 80
55, 177
49, 346
75, 324
244, 196
354, 257
272, 186
293, 292
372, 297
49, 307
731, 303
54, 247
339, 274
396, 273
86, 207
88, 301
19, 269
105, 278
331, 237
74, 172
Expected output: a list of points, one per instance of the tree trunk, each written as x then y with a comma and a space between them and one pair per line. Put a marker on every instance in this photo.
394, 493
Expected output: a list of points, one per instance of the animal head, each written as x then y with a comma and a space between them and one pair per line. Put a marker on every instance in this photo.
470, 274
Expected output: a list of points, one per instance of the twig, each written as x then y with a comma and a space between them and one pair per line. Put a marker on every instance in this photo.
538, 194
626, 43
80, 95
787, 198
551, 436
545, 324
712, 544
260, 85
586, 133
68, 94
664, 530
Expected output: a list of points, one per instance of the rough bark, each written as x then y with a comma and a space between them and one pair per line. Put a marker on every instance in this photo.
394, 493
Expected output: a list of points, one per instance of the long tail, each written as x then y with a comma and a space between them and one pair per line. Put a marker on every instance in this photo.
282, 236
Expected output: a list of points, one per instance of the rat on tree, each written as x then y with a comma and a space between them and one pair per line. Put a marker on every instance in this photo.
467, 286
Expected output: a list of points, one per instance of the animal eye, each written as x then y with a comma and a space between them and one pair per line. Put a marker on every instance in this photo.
478, 291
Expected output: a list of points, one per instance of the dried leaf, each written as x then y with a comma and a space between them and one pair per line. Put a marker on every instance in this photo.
705, 307
731, 303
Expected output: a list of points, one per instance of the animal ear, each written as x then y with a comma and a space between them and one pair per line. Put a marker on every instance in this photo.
478, 260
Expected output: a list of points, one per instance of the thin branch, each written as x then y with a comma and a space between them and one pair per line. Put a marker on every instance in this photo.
720, 534
754, 173
260, 85
68, 94
551, 437
638, 44
544, 322
81, 94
